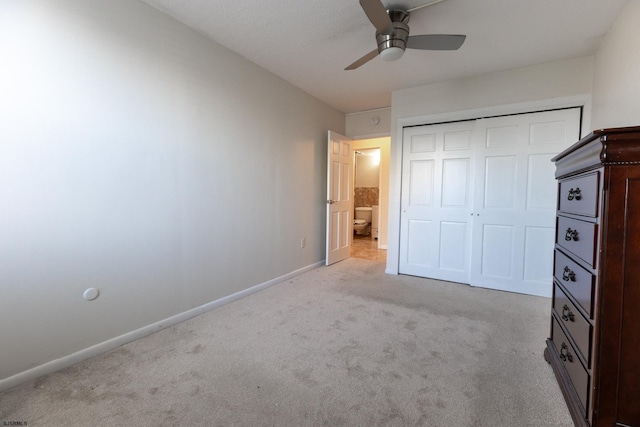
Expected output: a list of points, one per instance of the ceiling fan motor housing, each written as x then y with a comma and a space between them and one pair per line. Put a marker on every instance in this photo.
391, 47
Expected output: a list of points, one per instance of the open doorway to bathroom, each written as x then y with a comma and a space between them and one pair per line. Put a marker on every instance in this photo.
370, 198
366, 187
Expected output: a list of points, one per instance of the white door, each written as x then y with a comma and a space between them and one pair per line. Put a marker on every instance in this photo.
515, 199
339, 200
436, 201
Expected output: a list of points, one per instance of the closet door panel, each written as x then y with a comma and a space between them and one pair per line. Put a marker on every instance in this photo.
516, 191
435, 231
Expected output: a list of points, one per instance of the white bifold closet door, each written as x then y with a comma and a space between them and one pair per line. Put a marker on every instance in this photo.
479, 197
437, 181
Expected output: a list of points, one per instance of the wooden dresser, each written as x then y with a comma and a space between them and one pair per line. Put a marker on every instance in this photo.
594, 347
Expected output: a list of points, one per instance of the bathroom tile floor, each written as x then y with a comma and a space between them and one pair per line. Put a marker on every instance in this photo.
367, 248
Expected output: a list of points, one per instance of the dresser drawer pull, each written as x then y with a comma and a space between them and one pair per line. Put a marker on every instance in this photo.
564, 353
574, 194
568, 275
571, 235
567, 315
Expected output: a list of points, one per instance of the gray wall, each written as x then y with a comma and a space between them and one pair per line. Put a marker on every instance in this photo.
616, 86
538, 82
142, 159
369, 124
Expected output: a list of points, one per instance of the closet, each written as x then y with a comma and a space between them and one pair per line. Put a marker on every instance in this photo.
478, 199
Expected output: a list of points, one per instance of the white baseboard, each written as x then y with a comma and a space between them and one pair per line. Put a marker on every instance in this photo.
79, 356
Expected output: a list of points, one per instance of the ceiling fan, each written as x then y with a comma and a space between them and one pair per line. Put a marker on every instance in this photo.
392, 34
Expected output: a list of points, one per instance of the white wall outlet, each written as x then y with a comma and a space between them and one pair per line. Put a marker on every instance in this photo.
303, 243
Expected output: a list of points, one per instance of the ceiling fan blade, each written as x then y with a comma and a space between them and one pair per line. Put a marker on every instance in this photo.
368, 57
378, 16
436, 41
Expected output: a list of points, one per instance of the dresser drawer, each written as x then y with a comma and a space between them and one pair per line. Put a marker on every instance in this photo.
577, 373
579, 195
578, 237
579, 283
578, 327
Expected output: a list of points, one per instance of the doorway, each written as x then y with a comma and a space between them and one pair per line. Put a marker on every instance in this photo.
376, 153
366, 192
366, 199
340, 198
364, 247
371, 188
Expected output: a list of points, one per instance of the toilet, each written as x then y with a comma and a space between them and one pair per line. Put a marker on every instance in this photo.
362, 222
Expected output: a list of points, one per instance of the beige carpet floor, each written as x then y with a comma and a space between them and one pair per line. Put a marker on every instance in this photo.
344, 345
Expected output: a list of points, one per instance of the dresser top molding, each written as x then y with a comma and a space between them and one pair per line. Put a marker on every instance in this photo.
614, 146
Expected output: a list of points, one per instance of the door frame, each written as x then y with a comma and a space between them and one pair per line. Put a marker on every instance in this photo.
395, 167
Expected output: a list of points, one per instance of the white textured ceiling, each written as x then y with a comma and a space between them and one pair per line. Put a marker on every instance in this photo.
309, 43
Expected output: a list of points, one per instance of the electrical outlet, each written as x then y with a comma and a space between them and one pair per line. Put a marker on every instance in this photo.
303, 243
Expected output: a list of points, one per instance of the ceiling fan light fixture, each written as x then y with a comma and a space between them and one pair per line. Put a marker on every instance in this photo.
391, 47
392, 34
392, 53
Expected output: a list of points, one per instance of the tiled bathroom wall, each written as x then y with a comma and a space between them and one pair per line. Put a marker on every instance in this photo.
367, 196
